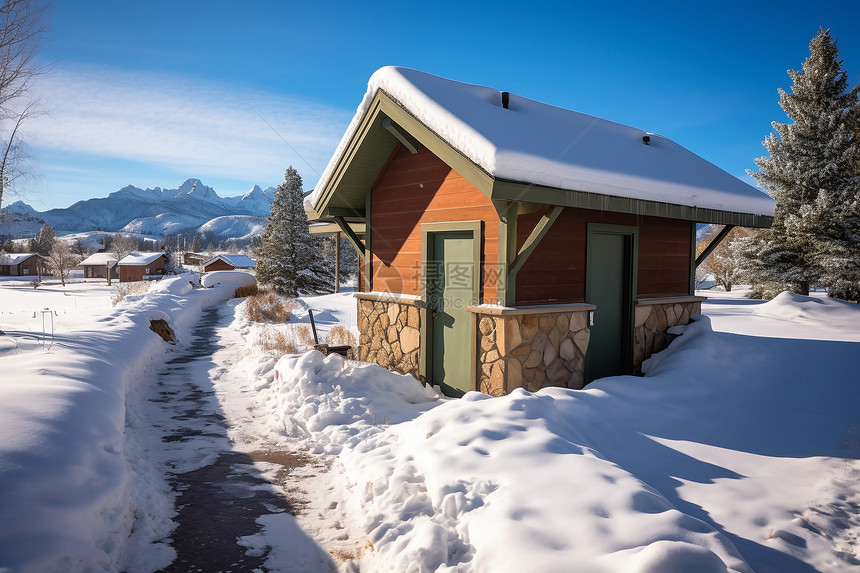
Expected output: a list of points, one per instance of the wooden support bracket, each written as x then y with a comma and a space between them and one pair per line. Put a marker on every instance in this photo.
402, 135
714, 244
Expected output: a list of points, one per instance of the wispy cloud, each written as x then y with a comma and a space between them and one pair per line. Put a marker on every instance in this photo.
184, 125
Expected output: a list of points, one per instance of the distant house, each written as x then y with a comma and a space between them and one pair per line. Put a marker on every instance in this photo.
22, 264
97, 265
229, 263
138, 266
513, 244
190, 258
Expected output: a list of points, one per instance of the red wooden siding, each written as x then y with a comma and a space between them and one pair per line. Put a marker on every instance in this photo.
131, 273
218, 265
555, 272
415, 189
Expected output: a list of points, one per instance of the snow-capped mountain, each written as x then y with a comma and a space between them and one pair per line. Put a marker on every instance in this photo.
18, 207
186, 209
238, 227
157, 211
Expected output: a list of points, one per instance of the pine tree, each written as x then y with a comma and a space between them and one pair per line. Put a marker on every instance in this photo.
289, 259
811, 173
44, 241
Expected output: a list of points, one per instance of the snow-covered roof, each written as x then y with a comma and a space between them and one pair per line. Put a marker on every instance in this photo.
537, 144
140, 259
99, 259
238, 261
15, 258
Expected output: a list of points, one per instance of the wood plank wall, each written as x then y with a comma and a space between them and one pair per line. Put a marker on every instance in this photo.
555, 272
415, 189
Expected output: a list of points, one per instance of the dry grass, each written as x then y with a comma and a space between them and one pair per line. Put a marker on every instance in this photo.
280, 342
340, 336
305, 336
287, 341
129, 288
248, 290
269, 307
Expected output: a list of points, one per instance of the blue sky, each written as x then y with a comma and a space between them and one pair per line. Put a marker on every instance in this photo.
152, 93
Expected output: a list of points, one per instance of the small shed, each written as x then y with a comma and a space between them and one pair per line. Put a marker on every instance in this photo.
98, 265
510, 243
229, 263
140, 266
22, 265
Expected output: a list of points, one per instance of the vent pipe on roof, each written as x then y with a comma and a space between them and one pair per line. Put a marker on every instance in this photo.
506, 99
646, 139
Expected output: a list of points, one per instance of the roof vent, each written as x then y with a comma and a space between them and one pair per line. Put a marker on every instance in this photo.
506, 99
646, 139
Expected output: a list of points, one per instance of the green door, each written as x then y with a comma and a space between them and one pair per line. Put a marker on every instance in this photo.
450, 282
609, 286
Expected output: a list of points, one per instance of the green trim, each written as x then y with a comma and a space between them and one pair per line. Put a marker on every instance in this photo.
402, 135
350, 234
341, 212
368, 252
714, 244
632, 269
505, 282
425, 359
538, 233
693, 257
368, 149
513, 191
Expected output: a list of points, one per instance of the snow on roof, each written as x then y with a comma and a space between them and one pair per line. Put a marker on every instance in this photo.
98, 259
240, 261
536, 143
140, 259
15, 258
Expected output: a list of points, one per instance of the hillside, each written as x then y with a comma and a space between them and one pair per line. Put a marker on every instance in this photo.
188, 209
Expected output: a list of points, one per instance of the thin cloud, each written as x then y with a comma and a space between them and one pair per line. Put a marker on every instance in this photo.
183, 124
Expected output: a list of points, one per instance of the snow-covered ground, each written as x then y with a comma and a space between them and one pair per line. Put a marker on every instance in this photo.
738, 451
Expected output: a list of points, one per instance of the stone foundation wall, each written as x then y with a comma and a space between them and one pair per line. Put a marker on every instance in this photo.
651, 322
531, 351
390, 334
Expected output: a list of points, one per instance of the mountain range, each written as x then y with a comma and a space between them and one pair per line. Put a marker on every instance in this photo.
188, 209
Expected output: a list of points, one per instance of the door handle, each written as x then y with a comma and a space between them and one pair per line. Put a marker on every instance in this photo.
435, 313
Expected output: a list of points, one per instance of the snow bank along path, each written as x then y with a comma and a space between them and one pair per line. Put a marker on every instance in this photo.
74, 495
734, 453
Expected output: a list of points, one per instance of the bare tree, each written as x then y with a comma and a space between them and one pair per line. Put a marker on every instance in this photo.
123, 245
61, 260
22, 24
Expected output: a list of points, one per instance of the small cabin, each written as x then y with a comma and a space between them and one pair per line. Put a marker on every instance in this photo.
22, 265
509, 243
142, 266
98, 265
229, 263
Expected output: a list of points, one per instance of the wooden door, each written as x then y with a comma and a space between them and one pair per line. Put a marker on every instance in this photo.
451, 277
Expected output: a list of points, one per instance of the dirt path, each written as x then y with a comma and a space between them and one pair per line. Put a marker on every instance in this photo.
221, 492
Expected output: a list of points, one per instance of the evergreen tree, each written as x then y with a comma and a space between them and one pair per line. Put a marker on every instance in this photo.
44, 241
289, 259
812, 174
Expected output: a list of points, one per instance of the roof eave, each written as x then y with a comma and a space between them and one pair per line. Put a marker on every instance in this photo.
524, 192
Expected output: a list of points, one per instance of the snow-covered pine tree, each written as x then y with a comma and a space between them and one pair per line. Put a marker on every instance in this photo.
812, 175
44, 241
289, 259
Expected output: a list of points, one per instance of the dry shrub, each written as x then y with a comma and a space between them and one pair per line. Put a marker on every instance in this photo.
269, 307
278, 341
305, 336
247, 290
340, 336
129, 288
287, 341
